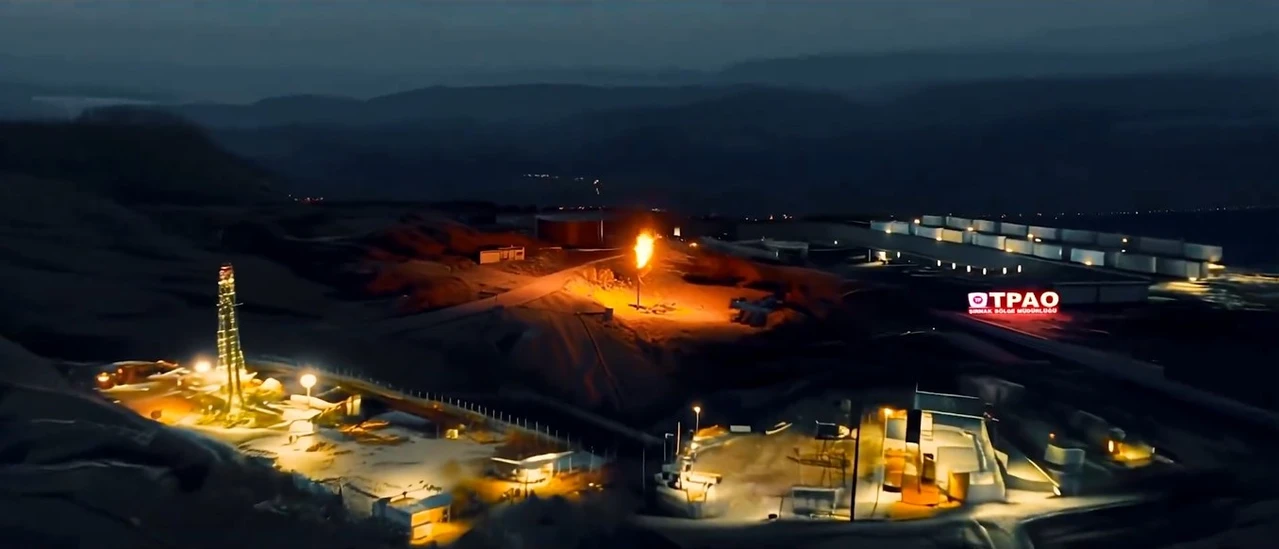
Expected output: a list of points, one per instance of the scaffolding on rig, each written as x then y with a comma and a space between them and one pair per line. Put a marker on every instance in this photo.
230, 355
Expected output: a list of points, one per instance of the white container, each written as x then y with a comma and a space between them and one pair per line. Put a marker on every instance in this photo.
881, 226
1092, 258
961, 223
1203, 252
900, 227
934, 221
952, 235
1179, 268
1048, 251
1078, 237
1013, 229
1137, 263
1113, 240
985, 226
990, 241
1161, 246
1042, 233
1016, 246
933, 233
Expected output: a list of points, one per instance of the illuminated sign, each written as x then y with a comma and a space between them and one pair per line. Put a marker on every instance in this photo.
1013, 303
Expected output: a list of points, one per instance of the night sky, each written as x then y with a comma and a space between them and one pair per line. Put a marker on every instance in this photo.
415, 35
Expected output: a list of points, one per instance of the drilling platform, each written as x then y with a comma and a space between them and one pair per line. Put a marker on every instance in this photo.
230, 355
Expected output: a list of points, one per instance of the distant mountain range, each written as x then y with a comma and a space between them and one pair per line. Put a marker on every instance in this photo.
1160, 140
863, 73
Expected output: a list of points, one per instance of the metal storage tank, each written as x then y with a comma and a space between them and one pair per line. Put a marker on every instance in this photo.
934, 221
1019, 246
575, 229
990, 241
1045, 233
1048, 251
1161, 246
1203, 252
1088, 257
1012, 229
1078, 237
986, 226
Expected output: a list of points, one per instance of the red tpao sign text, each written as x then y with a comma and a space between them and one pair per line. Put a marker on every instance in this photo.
1013, 303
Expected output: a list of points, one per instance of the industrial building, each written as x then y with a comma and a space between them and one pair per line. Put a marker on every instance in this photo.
586, 229
1128, 253
597, 228
962, 266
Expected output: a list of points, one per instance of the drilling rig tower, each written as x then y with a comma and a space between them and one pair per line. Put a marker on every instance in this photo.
230, 356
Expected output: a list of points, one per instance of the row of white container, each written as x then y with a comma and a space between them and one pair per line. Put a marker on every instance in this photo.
1119, 260
1143, 244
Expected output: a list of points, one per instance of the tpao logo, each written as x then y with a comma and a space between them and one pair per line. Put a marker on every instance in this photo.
1013, 303
977, 300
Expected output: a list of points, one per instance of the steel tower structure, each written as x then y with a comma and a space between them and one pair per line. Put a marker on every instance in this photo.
230, 356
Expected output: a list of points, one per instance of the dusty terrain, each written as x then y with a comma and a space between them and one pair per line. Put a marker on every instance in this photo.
72, 458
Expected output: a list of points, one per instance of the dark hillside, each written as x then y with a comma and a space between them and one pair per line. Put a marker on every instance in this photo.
134, 156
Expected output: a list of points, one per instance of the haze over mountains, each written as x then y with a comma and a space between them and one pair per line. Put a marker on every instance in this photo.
971, 129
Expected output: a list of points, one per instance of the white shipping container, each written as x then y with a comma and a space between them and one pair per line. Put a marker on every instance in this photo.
1112, 240
986, 226
1012, 229
951, 235
1177, 267
970, 237
960, 223
881, 226
1133, 262
1048, 251
900, 227
928, 232
1019, 246
1044, 233
934, 221
990, 241
1092, 258
1078, 237
1124, 293
1161, 246
1203, 252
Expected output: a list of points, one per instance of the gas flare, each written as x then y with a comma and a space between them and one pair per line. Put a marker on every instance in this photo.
643, 249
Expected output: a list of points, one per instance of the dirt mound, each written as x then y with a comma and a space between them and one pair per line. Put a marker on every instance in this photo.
817, 292
424, 236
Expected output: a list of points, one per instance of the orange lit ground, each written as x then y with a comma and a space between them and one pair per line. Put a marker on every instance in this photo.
161, 396
668, 300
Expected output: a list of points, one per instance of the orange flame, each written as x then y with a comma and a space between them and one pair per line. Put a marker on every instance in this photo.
643, 249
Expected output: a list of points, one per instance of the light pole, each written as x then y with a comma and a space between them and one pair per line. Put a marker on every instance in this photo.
307, 381
697, 421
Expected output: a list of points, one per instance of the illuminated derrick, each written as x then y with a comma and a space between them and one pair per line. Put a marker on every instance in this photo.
230, 356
